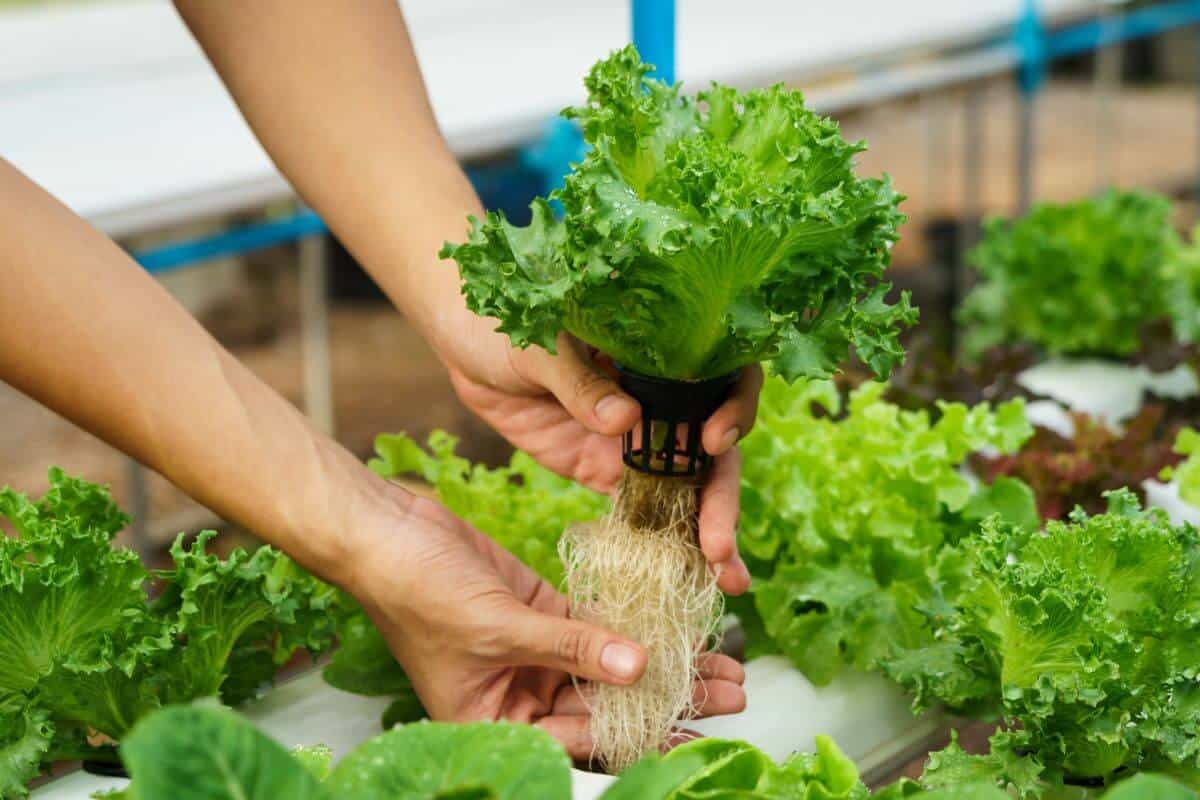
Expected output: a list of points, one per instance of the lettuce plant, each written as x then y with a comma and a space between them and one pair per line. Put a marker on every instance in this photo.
1081, 278
85, 651
846, 511
1082, 638
700, 234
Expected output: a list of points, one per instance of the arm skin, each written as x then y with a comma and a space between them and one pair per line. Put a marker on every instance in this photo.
88, 333
334, 92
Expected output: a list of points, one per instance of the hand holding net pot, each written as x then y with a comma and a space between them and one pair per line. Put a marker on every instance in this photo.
700, 235
640, 571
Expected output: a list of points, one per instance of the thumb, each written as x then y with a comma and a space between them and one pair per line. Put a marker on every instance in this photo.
588, 393
577, 648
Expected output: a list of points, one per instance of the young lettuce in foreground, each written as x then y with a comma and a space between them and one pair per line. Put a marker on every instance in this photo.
701, 234
1083, 638
206, 753
83, 650
845, 514
1081, 278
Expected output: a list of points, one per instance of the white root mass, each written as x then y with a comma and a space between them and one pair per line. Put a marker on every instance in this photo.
640, 572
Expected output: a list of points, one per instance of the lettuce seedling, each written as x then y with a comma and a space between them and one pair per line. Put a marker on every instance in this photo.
700, 234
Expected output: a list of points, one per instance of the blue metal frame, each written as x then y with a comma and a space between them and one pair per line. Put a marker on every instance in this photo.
654, 35
231, 242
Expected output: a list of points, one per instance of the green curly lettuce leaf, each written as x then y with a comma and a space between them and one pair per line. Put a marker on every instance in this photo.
845, 513
701, 234
1085, 636
256, 605
83, 646
26, 734
1078, 278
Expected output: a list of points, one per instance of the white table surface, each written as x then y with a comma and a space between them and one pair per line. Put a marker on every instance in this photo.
112, 107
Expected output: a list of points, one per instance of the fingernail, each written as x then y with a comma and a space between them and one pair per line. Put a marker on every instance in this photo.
619, 660
730, 438
613, 407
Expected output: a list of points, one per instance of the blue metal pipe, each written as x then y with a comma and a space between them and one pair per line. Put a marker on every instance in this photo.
230, 242
1030, 38
1136, 24
654, 35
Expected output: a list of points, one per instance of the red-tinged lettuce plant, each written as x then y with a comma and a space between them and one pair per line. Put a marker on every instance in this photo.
1066, 472
85, 652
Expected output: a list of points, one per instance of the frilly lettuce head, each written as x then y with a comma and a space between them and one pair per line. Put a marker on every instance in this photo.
701, 233
1082, 278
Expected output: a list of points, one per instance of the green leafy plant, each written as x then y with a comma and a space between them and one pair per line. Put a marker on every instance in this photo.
1082, 638
846, 512
84, 651
1065, 472
1080, 278
700, 234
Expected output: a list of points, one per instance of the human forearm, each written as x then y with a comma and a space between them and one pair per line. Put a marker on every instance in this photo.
88, 333
334, 92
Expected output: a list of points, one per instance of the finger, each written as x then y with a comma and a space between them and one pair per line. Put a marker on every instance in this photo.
681, 736
585, 390
714, 698
718, 666
571, 732
719, 508
735, 417
710, 698
574, 647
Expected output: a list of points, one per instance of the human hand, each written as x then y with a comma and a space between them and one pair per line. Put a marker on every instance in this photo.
569, 413
483, 637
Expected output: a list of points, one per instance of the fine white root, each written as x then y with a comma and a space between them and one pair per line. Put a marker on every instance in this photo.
640, 572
